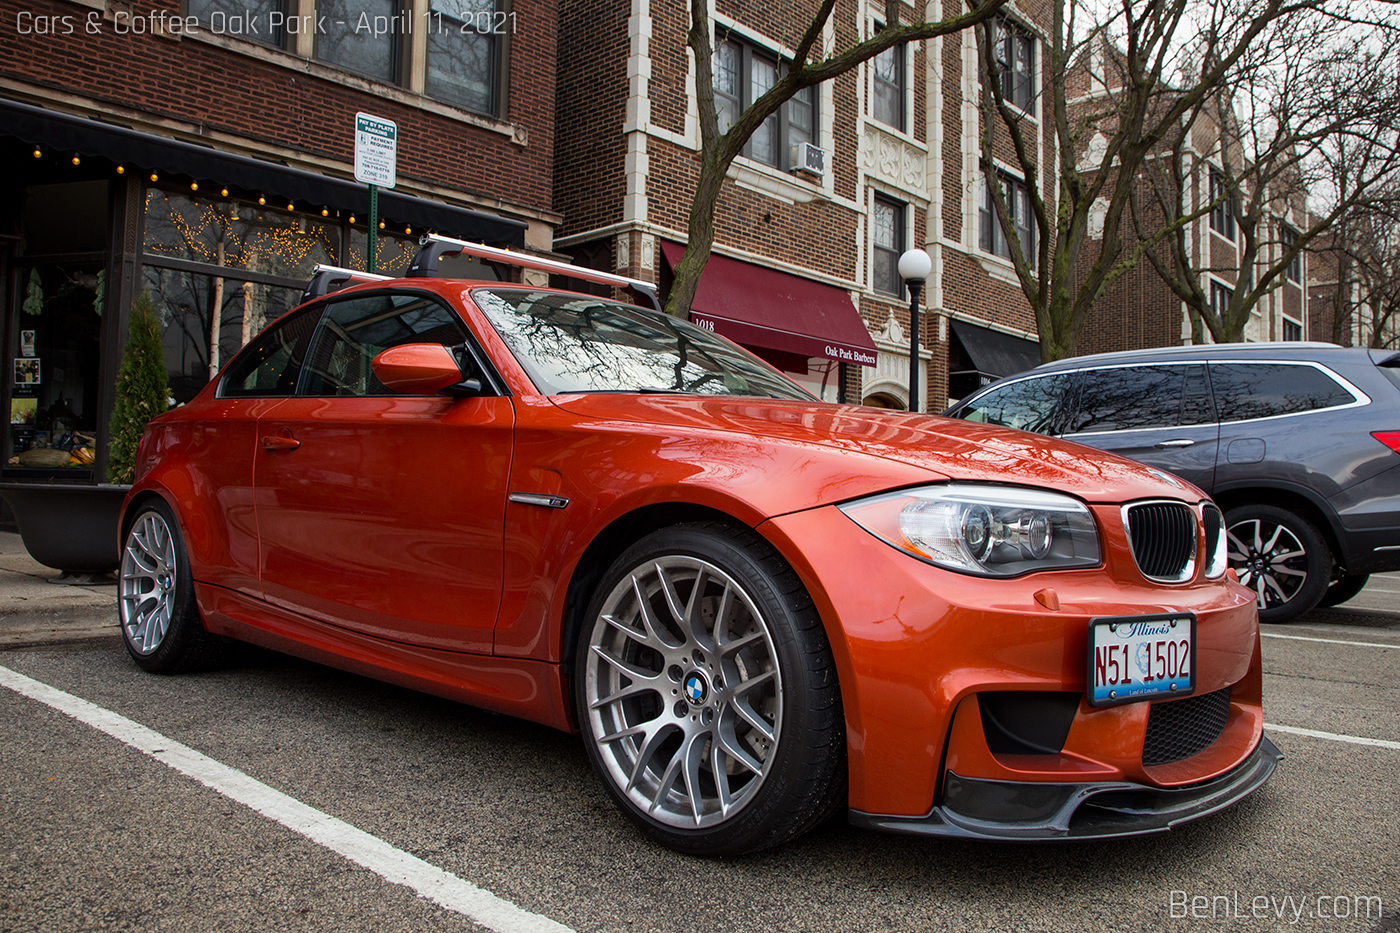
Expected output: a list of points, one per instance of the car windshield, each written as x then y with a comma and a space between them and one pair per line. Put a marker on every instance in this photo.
575, 344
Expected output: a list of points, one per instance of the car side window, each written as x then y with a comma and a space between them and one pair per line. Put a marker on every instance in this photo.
1028, 405
1262, 390
269, 368
1138, 398
354, 331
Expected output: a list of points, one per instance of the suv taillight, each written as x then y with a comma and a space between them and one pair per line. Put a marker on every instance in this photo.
1390, 439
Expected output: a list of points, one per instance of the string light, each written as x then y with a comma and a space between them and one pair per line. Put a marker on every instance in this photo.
352, 218
76, 160
155, 177
37, 153
223, 192
291, 206
262, 200
407, 229
194, 186
381, 225
121, 170
325, 212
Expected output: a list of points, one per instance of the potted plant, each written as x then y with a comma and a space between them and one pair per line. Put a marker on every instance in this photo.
73, 527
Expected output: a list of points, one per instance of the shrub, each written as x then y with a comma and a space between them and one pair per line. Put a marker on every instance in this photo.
142, 389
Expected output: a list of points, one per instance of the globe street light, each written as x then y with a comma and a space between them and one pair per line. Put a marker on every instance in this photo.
914, 267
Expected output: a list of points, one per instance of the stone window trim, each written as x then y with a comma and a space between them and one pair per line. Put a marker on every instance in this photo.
1016, 44
906, 54
991, 239
888, 253
1221, 219
296, 53
752, 55
1220, 293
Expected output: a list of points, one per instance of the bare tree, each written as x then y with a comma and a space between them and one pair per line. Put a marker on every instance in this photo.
1300, 139
719, 149
1114, 89
1369, 272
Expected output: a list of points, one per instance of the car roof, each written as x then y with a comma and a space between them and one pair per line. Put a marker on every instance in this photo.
1285, 350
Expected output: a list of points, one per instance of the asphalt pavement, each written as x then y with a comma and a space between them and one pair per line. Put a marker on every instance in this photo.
102, 829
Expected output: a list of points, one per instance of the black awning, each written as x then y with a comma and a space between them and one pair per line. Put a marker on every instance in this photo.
125, 146
995, 353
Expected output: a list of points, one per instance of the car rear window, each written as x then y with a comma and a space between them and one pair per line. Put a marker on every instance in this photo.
1244, 391
270, 366
1139, 398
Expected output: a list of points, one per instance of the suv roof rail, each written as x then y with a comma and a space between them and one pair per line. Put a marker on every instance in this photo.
325, 279
434, 246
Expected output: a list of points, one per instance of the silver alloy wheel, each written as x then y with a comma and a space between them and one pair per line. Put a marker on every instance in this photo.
684, 692
147, 583
1269, 559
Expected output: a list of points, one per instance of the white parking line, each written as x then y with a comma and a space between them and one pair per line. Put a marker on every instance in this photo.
1332, 736
441, 887
1330, 641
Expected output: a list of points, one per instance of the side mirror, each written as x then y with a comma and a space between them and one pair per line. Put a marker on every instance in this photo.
423, 369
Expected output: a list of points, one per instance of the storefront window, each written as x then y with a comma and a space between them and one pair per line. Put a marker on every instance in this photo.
393, 253
248, 261
53, 384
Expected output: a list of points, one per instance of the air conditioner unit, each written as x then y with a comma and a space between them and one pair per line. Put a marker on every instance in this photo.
809, 158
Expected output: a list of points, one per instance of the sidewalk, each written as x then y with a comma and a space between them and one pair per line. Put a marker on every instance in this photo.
34, 611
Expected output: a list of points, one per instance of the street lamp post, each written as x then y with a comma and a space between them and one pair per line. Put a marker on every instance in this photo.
914, 267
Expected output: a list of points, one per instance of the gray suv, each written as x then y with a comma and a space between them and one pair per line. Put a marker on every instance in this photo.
1299, 443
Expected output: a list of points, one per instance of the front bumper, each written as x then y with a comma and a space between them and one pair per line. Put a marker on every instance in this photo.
1012, 811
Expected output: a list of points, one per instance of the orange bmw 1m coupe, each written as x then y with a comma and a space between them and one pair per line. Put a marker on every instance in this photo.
757, 608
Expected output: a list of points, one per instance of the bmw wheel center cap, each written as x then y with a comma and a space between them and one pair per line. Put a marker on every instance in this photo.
697, 691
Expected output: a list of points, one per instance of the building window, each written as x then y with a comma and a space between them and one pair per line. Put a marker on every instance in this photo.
1222, 216
465, 54
743, 74
1220, 296
1294, 271
887, 243
362, 36
258, 20
1014, 50
887, 87
1018, 203
1292, 330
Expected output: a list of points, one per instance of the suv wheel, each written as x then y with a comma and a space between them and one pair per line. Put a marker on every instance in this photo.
1281, 556
1344, 588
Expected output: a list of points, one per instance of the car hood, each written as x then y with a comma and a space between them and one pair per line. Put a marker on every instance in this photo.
940, 448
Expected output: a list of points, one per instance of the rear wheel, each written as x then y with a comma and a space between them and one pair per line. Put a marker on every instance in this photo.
1344, 588
155, 600
707, 693
1279, 555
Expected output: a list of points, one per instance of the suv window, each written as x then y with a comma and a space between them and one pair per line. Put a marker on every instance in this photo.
1263, 390
270, 366
1137, 398
353, 332
1030, 405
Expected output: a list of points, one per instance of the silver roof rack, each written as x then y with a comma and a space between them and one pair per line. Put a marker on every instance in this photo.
325, 279
434, 246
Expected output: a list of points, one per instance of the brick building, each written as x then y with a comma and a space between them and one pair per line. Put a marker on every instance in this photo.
1140, 310
901, 168
203, 150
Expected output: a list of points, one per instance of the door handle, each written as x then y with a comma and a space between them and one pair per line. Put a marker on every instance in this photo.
280, 442
1170, 444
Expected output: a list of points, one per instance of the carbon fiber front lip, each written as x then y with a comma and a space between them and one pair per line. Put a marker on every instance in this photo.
1010, 811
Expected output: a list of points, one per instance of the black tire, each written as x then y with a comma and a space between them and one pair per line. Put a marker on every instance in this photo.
1343, 588
1281, 556
735, 733
159, 619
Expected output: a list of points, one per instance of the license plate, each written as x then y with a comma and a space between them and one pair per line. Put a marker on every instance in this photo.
1141, 658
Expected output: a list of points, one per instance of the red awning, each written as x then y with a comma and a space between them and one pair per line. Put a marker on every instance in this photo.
762, 307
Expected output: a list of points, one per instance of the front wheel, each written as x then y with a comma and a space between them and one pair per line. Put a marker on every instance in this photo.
707, 693
155, 598
1345, 587
1279, 555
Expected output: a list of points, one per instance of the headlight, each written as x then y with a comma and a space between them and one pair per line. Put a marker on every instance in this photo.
995, 531
1217, 547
